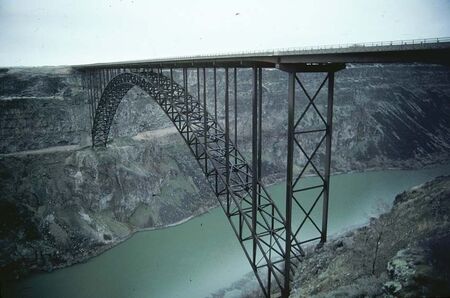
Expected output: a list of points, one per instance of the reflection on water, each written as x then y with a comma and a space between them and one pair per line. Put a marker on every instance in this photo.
201, 256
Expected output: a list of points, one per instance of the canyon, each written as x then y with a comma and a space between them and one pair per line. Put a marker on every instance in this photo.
62, 202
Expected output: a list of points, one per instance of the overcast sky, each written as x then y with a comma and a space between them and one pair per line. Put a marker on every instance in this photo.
56, 32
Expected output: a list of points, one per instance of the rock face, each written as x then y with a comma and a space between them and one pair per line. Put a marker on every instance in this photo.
383, 116
62, 201
72, 204
41, 107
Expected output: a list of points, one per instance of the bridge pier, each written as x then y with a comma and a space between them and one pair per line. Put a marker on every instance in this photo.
295, 132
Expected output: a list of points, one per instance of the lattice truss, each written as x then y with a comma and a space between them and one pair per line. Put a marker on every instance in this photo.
261, 228
309, 143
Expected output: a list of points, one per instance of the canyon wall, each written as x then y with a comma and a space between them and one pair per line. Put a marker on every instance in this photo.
62, 201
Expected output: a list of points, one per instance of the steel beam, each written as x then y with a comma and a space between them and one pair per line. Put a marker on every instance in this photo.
329, 133
235, 111
259, 127
254, 156
215, 95
205, 120
227, 138
289, 183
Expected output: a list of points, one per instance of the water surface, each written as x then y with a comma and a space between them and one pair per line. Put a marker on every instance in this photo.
203, 255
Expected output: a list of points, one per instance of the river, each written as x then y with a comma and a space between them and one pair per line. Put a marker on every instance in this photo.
201, 256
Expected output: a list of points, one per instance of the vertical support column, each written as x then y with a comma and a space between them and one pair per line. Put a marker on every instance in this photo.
235, 113
259, 129
215, 97
94, 91
329, 131
235, 146
100, 81
94, 86
159, 86
88, 84
83, 85
289, 187
227, 140
254, 157
103, 79
171, 93
92, 100
186, 105
215, 121
99, 86
198, 84
198, 108
205, 122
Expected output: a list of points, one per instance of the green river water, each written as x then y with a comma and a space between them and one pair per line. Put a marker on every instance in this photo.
203, 255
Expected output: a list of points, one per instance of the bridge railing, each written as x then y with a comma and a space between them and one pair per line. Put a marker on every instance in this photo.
362, 45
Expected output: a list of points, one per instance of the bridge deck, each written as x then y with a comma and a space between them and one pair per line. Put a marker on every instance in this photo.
422, 51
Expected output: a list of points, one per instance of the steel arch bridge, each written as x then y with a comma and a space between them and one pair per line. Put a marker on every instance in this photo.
235, 185
271, 240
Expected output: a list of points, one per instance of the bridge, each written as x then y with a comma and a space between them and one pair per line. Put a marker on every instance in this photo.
270, 239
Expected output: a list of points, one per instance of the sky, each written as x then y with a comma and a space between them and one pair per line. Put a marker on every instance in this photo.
68, 32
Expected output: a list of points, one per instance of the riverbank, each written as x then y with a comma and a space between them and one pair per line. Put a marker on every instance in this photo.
92, 251
402, 253
60, 207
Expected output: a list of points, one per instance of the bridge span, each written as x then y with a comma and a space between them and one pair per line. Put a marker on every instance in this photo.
271, 241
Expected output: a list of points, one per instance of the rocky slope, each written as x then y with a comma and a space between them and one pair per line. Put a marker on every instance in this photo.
403, 253
62, 202
62, 207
